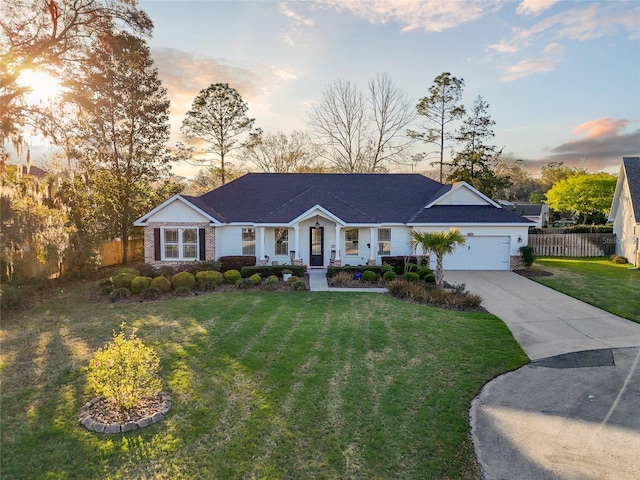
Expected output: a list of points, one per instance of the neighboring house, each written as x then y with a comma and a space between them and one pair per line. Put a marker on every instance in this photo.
536, 212
625, 210
316, 219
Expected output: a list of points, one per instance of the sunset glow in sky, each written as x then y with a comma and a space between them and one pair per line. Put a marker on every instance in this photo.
562, 78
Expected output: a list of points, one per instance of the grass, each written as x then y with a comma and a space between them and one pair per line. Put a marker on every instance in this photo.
273, 385
598, 281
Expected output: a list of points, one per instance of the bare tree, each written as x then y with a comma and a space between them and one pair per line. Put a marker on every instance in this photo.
279, 153
362, 134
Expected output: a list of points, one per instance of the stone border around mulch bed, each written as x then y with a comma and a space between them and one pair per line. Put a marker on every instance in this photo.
88, 422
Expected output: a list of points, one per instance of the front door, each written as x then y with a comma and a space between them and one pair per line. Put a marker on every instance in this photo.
316, 247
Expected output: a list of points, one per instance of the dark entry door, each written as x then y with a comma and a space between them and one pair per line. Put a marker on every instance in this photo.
316, 247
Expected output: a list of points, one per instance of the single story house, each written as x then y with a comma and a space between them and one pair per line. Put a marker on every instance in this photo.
536, 212
318, 219
625, 210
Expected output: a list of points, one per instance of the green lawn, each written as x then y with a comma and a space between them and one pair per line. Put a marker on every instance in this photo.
269, 385
612, 287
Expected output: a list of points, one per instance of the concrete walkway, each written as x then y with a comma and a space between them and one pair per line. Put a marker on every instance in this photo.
318, 283
573, 413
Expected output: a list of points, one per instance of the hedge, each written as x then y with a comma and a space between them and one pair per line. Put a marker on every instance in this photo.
267, 271
236, 262
397, 262
333, 271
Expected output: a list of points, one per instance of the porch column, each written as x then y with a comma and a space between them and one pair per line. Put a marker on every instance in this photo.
337, 241
296, 241
261, 244
373, 241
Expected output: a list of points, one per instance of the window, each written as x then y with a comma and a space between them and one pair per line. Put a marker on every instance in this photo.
351, 241
384, 241
282, 241
248, 241
180, 244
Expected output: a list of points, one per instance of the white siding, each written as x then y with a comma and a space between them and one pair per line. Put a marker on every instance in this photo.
462, 196
176, 211
625, 226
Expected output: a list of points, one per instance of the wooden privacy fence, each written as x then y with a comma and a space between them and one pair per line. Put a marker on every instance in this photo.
573, 244
111, 252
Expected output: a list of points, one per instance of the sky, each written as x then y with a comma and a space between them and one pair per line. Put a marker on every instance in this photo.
562, 78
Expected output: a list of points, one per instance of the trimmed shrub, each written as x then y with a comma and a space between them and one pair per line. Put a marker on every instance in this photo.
412, 277
397, 262
151, 292
10, 296
255, 279
333, 271
201, 266
277, 270
386, 268
161, 283
183, 279
299, 285
123, 280
293, 279
619, 259
430, 278
119, 293
369, 277
208, 285
236, 262
167, 271
232, 276
132, 271
271, 283
183, 291
124, 371
424, 272
411, 267
527, 254
209, 275
138, 284
389, 276
244, 283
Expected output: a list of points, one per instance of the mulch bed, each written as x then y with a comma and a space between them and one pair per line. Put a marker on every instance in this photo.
532, 272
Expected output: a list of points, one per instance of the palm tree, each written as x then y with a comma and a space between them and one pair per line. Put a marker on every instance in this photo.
438, 243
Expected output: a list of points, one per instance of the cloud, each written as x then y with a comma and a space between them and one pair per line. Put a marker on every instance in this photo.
295, 18
553, 54
428, 15
534, 7
604, 143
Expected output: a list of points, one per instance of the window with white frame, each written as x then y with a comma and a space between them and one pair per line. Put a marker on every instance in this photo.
248, 241
282, 241
384, 241
180, 244
351, 241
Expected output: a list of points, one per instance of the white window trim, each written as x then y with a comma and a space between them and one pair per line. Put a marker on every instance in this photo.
357, 247
181, 244
248, 242
380, 242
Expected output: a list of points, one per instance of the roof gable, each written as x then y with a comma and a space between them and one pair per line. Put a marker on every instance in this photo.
629, 175
173, 209
462, 193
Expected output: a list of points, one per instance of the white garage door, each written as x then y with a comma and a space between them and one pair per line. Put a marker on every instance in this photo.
479, 253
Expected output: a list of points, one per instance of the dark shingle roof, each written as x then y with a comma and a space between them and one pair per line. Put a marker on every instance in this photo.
467, 214
354, 198
528, 209
632, 171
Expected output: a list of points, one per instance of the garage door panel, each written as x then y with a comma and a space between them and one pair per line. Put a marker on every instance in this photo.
480, 253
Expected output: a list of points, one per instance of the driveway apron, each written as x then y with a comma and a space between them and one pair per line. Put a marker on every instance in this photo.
574, 411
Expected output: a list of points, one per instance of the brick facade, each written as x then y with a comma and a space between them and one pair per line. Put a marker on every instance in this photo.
149, 244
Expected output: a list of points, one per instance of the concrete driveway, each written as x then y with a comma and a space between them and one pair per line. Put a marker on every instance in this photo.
573, 413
